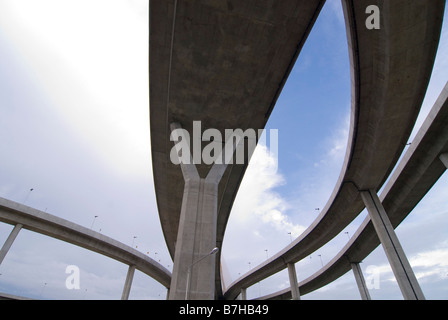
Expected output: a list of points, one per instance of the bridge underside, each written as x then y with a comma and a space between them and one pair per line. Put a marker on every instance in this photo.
390, 70
223, 63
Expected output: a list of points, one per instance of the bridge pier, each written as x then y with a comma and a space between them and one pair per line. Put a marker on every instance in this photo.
195, 239
444, 159
128, 283
403, 272
360, 281
9, 241
194, 272
243, 294
295, 293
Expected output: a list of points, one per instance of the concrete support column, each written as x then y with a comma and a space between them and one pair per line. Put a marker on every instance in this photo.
243, 294
195, 239
444, 159
365, 295
167, 293
128, 283
194, 267
295, 293
403, 272
8, 243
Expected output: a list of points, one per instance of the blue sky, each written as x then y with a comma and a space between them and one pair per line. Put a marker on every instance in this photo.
74, 127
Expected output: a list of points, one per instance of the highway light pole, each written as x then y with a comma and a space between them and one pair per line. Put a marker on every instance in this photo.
187, 289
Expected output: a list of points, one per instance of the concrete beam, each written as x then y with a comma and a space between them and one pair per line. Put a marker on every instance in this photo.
444, 159
403, 272
360, 281
8, 243
128, 283
293, 281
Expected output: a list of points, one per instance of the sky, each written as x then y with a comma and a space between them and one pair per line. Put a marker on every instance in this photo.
74, 127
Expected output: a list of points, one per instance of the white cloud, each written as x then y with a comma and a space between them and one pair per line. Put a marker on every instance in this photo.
336, 145
258, 217
91, 59
424, 264
81, 138
257, 199
431, 263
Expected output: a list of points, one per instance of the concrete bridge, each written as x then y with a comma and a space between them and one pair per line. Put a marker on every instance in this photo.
224, 63
24, 217
205, 64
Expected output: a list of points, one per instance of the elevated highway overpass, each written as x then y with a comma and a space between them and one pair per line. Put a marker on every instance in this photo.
419, 169
390, 71
225, 63
24, 217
